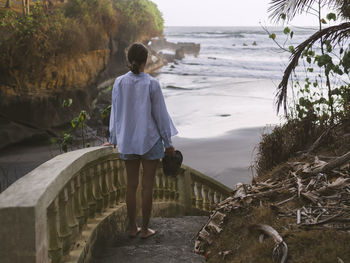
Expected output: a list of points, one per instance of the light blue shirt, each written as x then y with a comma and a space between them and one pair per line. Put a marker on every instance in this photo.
139, 117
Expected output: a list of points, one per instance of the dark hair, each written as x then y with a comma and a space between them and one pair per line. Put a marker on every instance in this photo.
137, 55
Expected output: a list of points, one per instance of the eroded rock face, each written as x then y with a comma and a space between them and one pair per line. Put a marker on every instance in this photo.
36, 106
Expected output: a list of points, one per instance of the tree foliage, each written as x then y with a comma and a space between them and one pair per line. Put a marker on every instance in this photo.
325, 52
28, 43
142, 16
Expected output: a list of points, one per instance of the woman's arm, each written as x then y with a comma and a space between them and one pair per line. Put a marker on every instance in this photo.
112, 118
161, 116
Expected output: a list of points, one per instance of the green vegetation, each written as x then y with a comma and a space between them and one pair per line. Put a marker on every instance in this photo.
78, 128
28, 43
148, 15
321, 100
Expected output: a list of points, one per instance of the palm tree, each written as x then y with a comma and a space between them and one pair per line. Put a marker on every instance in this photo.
288, 9
292, 7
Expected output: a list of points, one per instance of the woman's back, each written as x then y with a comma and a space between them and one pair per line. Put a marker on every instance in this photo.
139, 116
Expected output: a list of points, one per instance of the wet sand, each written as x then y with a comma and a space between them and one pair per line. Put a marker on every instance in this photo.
226, 158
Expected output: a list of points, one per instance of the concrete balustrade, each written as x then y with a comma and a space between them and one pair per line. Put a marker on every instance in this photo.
57, 212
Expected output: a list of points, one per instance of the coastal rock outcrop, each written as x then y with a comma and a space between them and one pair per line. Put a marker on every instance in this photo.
172, 51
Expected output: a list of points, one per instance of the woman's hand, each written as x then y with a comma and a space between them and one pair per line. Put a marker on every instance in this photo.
170, 151
109, 144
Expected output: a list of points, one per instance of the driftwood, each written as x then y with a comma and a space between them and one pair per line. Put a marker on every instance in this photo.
280, 244
319, 191
319, 140
322, 221
333, 164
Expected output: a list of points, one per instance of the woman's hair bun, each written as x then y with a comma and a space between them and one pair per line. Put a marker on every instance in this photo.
137, 55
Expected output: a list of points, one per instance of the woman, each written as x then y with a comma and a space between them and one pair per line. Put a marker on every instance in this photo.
140, 125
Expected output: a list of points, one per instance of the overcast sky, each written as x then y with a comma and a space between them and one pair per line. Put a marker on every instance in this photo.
220, 13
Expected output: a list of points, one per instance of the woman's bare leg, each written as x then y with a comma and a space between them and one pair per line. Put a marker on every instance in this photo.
149, 172
132, 171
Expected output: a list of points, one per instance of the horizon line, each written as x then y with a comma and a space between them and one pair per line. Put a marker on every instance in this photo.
241, 26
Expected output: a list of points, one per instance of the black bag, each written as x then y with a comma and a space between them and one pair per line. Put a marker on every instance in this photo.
172, 164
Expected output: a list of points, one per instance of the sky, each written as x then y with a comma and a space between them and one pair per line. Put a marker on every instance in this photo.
221, 13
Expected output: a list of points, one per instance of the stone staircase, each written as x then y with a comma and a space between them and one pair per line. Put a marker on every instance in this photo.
173, 242
69, 207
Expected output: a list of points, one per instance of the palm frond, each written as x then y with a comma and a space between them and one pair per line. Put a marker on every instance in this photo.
293, 7
343, 7
333, 33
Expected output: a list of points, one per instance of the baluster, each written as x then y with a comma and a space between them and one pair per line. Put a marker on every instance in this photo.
64, 231
116, 174
72, 221
104, 186
90, 193
78, 209
172, 188
54, 243
206, 198
161, 191
166, 187
83, 195
177, 193
199, 199
211, 198
110, 184
123, 181
97, 189
155, 187
217, 197
193, 194
222, 198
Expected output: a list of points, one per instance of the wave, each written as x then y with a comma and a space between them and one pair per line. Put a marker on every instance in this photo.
171, 87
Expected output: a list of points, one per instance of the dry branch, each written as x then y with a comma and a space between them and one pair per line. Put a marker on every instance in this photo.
319, 140
333, 164
270, 231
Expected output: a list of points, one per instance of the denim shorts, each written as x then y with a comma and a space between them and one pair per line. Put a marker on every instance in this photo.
156, 152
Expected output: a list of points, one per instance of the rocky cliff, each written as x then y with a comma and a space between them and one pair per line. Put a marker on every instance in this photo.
34, 107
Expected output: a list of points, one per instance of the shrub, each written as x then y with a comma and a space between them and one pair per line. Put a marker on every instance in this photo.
285, 141
28, 43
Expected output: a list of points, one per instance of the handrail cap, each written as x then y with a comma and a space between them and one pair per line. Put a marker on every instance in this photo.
42, 185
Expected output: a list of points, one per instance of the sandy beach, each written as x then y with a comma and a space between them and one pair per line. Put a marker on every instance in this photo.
225, 158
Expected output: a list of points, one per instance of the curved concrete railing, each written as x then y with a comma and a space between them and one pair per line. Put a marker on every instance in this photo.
57, 212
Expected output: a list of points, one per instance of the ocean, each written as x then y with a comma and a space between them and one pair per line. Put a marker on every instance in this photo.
231, 84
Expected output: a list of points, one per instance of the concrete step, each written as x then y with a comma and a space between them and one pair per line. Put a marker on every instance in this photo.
173, 242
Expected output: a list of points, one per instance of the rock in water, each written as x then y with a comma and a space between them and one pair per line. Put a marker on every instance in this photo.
179, 53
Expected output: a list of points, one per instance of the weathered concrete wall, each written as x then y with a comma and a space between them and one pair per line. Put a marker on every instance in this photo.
23, 206
75, 200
